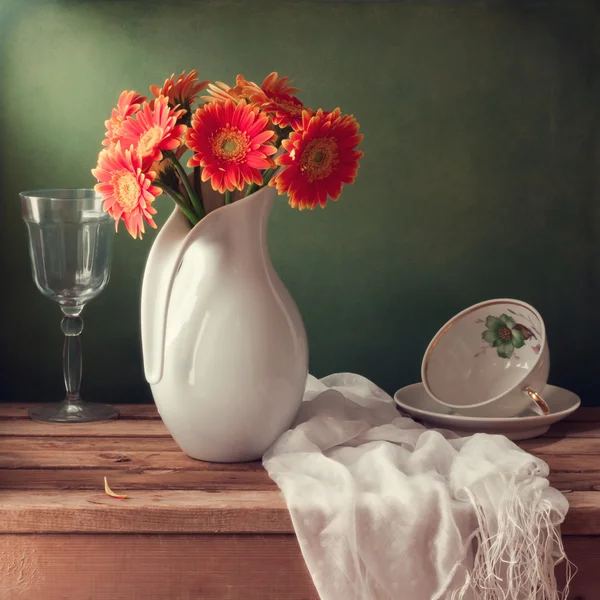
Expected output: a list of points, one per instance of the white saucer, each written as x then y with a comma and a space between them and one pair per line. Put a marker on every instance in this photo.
414, 400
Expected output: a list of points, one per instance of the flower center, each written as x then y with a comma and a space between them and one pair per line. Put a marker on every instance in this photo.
127, 191
230, 144
289, 106
319, 158
149, 139
505, 334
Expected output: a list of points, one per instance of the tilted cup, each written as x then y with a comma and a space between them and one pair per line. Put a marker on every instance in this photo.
490, 360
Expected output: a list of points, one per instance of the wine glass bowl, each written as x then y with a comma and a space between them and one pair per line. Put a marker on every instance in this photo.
70, 245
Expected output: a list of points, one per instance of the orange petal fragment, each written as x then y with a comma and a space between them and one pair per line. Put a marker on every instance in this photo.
110, 493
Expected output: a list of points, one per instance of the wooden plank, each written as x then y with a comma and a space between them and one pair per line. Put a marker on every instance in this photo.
164, 479
74, 443
584, 552
586, 414
118, 428
190, 567
170, 511
83, 444
576, 482
543, 446
150, 426
126, 411
575, 464
178, 511
205, 479
574, 429
125, 459
180, 479
153, 567
583, 517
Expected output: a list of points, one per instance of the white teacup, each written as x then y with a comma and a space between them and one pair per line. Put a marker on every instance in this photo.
490, 360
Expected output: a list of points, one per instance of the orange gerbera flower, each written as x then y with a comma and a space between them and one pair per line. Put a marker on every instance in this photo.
275, 97
127, 191
128, 104
273, 83
221, 92
230, 142
183, 92
152, 130
320, 158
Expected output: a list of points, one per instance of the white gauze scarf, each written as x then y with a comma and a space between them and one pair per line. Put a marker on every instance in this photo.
384, 508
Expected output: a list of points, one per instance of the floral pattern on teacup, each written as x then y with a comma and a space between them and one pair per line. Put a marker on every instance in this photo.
506, 335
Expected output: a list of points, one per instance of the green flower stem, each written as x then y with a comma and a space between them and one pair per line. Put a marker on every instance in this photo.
227, 197
251, 189
179, 201
268, 176
198, 187
186, 184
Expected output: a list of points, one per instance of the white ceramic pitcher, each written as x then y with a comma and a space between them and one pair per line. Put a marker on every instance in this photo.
225, 349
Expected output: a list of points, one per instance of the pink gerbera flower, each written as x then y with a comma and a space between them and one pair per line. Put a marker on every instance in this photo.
230, 142
153, 130
128, 104
127, 191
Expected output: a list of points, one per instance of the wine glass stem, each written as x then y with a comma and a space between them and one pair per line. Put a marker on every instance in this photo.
72, 326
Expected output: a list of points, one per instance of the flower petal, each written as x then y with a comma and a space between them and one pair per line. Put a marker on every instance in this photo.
489, 336
493, 323
518, 339
508, 321
505, 350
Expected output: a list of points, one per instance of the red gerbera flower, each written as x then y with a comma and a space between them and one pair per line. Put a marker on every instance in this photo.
275, 97
183, 92
128, 104
320, 158
127, 191
230, 142
152, 130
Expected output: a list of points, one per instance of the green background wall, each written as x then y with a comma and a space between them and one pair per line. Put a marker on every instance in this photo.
480, 177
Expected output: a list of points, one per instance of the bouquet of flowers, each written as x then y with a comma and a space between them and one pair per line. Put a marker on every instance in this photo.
240, 138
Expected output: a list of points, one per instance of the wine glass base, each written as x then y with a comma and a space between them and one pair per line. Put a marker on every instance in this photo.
82, 412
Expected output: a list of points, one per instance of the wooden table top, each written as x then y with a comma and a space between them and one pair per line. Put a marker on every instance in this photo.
51, 478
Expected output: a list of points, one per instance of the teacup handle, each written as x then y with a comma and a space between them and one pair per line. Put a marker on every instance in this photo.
540, 406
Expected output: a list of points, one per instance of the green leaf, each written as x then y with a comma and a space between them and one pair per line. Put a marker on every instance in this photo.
508, 321
505, 350
489, 336
493, 323
518, 339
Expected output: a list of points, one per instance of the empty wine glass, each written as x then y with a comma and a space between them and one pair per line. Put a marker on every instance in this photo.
70, 244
